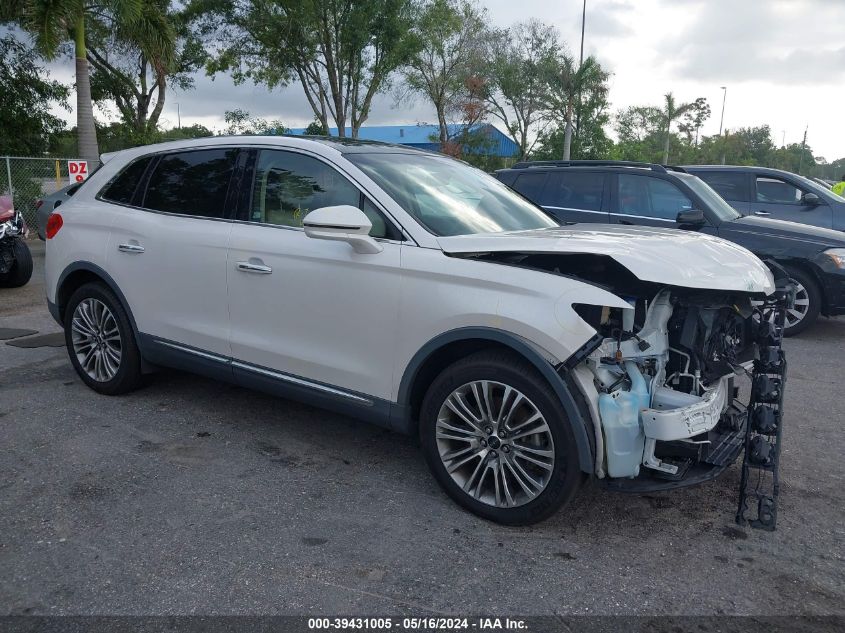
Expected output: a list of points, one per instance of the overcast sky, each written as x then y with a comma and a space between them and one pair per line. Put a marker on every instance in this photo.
783, 62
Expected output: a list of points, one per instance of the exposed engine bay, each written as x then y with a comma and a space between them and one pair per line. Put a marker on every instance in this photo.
659, 378
663, 374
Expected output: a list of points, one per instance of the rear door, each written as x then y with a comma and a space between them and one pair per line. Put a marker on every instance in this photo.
571, 196
168, 248
781, 198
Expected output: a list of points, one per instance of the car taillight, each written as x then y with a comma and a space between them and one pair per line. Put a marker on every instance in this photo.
38, 204
54, 223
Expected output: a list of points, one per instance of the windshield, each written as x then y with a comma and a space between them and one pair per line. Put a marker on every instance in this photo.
715, 203
448, 197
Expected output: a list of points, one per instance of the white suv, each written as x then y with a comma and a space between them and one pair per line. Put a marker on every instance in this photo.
415, 292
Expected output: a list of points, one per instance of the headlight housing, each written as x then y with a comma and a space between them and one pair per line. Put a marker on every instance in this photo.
836, 256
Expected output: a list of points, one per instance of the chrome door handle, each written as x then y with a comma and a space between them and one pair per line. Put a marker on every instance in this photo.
254, 268
130, 248
762, 213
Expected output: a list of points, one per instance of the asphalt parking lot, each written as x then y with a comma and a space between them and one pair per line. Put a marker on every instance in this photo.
194, 497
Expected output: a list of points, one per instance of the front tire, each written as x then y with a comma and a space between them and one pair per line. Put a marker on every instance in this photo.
100, 341
808, 303
498, 440
21, 271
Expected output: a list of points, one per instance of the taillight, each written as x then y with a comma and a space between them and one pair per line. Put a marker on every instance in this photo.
38, 204
54, 223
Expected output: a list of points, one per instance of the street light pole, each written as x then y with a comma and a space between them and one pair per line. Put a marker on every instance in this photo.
583, 22
724, 98
568, 130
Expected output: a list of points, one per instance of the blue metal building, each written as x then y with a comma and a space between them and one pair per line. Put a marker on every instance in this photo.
426, 136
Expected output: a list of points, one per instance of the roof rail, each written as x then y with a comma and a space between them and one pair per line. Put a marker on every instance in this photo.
596, 163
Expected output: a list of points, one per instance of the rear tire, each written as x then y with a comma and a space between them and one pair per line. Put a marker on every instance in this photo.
21, 271
100, 341
541, 454
808, 303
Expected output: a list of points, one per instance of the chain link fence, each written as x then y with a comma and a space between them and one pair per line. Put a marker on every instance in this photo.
27, 180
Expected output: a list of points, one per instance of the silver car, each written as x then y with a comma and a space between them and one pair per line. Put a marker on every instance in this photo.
44, 207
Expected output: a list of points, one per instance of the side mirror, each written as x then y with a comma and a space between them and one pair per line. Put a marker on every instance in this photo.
694, 218
811, 200
343, 223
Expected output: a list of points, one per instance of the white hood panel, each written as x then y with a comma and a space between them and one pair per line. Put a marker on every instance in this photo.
665, 256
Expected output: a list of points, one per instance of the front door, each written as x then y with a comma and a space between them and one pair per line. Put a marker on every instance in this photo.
782, 199
306, 311
641, 199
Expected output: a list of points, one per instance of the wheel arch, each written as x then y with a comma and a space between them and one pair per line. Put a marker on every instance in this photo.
448, 347
80, 273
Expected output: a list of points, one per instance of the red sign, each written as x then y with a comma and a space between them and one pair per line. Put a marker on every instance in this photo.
78, 170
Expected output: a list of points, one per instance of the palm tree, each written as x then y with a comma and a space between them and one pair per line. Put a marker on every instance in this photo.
54, 22
574, 82
673, 112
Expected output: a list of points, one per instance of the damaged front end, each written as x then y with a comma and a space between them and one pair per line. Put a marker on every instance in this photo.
662, 380
662, 375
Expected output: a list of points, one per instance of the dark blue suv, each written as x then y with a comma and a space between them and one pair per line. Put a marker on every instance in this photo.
618, 192
776, 194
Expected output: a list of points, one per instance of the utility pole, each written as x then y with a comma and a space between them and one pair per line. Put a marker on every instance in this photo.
724, 98
803, 149
783, 139
178, 117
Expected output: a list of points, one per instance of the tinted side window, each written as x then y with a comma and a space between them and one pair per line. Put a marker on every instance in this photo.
729, 185
574, 190
776, 190
288, 185
191, 183
122, 187
531, 186
651, 197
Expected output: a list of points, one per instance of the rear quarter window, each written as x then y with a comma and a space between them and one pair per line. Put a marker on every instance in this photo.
122, 187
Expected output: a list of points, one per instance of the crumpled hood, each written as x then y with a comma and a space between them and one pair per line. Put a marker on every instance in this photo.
666, 256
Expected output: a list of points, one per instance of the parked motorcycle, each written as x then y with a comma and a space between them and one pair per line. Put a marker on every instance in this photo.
15, 258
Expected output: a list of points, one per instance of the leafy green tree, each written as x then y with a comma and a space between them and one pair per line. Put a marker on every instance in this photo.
640, 133
522, 61
54, 22
694, 119
134, 75
185, 132
26, 94
672, 111
316, 128
341, 52
241, 122
572, 83
447, 43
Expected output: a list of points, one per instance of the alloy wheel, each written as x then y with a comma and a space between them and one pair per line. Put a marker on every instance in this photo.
796, 313
495, 443
96, 340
